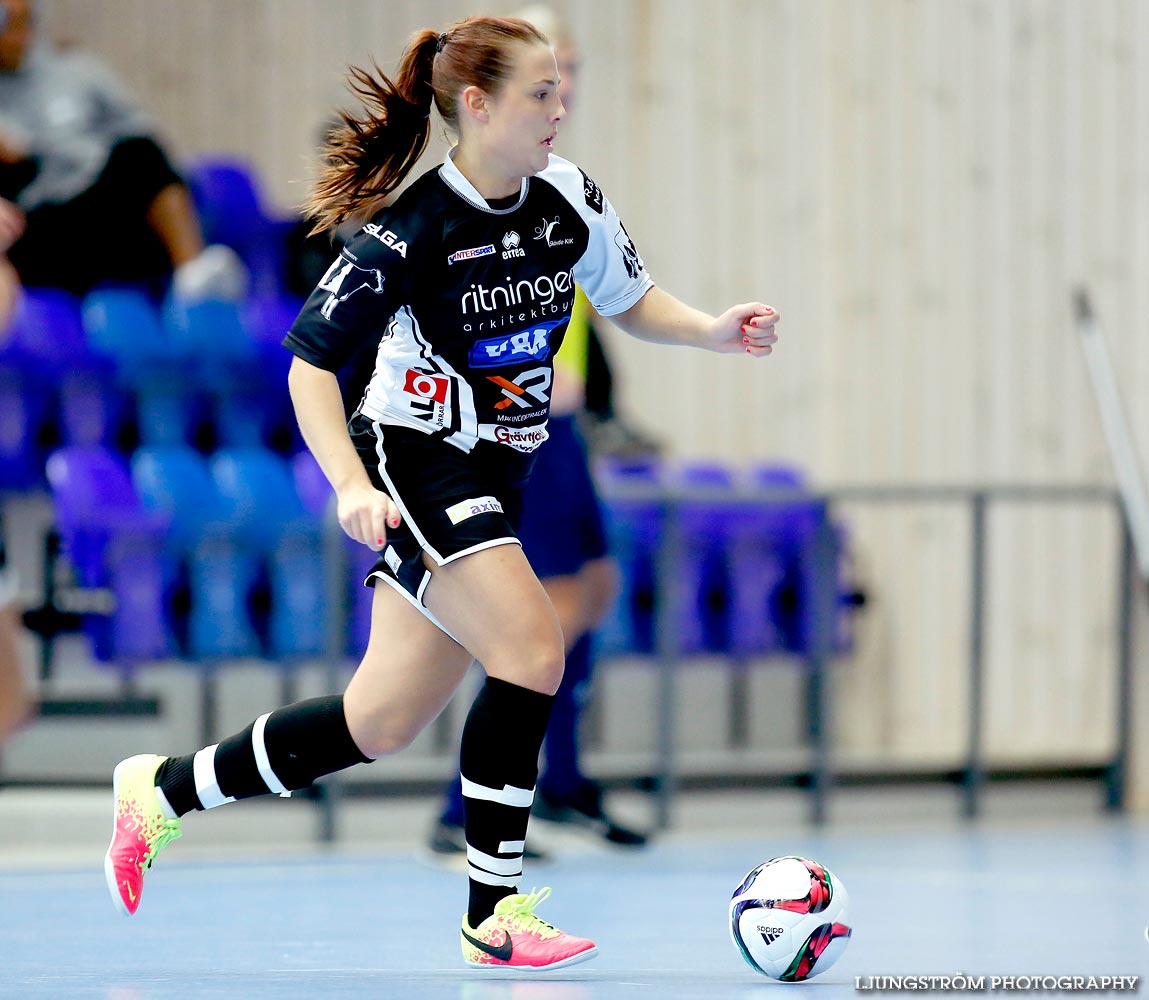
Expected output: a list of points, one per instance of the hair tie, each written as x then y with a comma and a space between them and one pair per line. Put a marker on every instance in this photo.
440, 43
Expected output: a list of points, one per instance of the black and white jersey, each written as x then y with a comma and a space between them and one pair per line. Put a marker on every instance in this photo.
468, 301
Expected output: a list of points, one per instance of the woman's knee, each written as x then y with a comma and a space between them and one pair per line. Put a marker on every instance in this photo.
537, 665
381, 740
377, 731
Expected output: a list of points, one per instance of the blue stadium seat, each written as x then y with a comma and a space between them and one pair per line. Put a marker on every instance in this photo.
634, 520
204, 553
126, 326
245, 385
271, 519
23, 415
48, 339
112, 542
316, 494
226, 193
699, 588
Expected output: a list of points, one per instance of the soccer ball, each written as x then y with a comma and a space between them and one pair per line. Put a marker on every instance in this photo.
788, 919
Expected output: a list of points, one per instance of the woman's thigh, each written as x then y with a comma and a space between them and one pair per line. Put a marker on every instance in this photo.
493, 603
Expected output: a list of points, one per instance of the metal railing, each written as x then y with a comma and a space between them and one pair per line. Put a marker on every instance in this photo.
819, 570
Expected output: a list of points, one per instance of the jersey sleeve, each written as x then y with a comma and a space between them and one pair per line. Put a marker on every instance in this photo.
350, 307
610, 271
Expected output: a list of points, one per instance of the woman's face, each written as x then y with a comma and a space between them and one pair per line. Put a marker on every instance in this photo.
524, 115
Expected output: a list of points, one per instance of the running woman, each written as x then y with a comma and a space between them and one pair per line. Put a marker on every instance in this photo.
465, 283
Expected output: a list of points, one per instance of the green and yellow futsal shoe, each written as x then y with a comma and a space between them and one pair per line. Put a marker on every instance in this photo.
141, 829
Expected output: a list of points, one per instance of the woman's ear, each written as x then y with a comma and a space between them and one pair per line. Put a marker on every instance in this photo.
475, 104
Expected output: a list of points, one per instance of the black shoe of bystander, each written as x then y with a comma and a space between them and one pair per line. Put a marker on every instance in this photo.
584, 809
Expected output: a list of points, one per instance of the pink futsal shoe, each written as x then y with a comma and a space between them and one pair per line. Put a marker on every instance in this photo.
141, 829
514, 938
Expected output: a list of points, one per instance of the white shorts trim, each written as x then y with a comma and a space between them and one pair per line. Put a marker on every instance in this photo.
396, 586
505, 540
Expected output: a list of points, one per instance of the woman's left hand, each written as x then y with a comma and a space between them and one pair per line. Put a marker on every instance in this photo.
747, 327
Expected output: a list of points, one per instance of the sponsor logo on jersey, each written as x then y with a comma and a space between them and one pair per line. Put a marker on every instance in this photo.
426, 385
525, 439
469, 508
387, 238
343, 279
630, 255
546, 232
472, 253
426, 396
511, 246
539, 292
528, 390
593, 193
531, 344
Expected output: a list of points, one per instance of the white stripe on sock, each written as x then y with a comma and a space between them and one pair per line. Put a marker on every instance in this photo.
508, 795
263, 762
499, 866
488, 879
206, 784
512, 846
165, 805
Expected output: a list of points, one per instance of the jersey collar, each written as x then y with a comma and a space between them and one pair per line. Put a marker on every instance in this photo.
454, 179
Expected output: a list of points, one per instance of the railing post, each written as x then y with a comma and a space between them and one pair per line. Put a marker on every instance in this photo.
822, 590
668, 557
974, 776
335, 572
1115, 778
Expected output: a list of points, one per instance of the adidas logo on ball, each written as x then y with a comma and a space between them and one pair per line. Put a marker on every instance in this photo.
770, 934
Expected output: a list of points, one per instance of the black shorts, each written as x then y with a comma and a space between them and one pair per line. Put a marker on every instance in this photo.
452, 502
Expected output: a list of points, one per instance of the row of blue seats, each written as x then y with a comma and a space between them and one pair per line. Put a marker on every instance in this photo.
117, 367
187, 545
742, 570
204, 558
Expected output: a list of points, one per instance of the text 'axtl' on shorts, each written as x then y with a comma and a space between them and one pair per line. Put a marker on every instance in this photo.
451, 502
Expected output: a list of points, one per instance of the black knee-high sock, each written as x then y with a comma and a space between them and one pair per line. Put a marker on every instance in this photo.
499, 761
280, 752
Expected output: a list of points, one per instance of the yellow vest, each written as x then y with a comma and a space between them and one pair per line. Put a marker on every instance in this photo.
572, 356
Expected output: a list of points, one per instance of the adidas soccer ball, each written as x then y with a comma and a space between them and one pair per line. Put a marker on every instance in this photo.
788, 919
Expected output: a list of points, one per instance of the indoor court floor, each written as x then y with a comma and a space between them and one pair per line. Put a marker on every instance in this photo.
1024, 893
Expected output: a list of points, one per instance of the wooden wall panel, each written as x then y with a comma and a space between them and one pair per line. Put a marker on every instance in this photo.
916, 185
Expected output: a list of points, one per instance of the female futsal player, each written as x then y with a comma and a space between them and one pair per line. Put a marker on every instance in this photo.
466, 283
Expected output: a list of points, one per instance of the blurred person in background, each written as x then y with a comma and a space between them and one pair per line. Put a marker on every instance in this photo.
15, 700
15, 697
78, 157
564, 538
11, 229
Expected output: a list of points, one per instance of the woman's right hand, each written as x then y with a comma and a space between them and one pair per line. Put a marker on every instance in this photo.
365, 513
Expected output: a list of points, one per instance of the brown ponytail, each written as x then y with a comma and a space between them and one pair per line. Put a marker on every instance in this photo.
367, 156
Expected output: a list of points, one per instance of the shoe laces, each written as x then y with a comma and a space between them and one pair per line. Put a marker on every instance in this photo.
522, 911
169, 830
